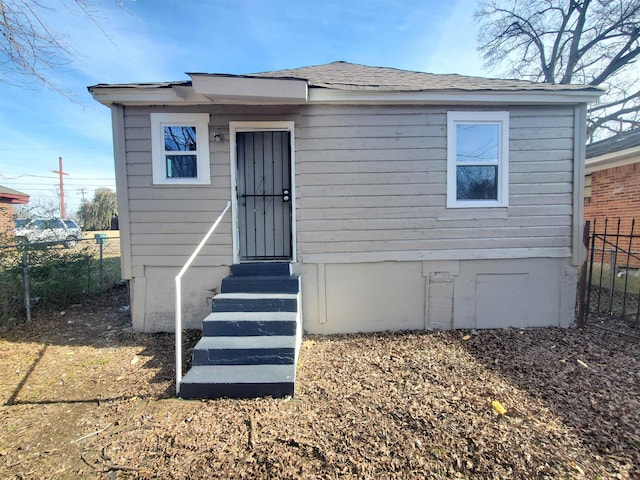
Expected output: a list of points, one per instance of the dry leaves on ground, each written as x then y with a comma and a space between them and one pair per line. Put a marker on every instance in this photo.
85, 396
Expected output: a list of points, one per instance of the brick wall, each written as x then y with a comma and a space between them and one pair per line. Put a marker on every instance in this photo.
615, 193
6, 220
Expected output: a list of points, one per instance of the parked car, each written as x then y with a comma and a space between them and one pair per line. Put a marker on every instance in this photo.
48, 230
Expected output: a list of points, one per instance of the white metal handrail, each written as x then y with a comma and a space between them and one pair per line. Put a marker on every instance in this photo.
178, 325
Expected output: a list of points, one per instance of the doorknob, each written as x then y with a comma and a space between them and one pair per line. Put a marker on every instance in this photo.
285, 195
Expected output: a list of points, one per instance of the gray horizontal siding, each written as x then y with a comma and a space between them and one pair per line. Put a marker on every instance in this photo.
402, 224
368, 179
440, 233
433, 214
373, 179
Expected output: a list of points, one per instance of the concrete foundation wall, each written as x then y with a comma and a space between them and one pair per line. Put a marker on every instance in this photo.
153, 297
349, 298
368, 297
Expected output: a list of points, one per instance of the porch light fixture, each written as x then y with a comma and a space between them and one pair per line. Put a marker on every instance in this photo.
217, 137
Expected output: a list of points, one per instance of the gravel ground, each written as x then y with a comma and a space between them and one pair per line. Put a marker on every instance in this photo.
83, 396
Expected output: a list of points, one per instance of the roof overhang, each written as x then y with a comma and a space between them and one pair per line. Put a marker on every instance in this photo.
612, 160
241, 89
205, 89
14, 199
455, 97
151, 95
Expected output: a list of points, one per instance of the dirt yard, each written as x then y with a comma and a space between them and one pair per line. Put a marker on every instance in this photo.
85, 397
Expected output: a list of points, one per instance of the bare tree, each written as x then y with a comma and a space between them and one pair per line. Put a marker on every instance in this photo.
38, 207
593, 42
30, 49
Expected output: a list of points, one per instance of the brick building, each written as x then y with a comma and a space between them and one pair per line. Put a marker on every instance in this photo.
612, 190
612, 182
9, 198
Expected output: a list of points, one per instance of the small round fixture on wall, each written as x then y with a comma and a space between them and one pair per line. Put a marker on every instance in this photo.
217, 137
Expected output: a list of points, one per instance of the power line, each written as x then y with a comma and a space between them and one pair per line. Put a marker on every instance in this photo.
25, 175
4, 177
70, 179
39, 186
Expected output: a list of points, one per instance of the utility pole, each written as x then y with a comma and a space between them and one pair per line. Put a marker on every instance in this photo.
63, 213
82, 191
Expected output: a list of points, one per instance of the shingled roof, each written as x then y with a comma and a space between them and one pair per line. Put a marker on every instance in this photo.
341, 82
12, 196
351, 76
617, 143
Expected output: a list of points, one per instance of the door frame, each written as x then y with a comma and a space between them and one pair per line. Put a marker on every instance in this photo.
258, 126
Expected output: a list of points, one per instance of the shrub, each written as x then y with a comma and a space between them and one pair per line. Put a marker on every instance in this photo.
57, 277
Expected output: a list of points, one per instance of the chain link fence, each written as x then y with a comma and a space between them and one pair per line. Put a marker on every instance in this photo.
38, 277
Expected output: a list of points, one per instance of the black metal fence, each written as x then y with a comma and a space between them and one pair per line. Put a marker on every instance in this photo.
611, 289
39, 277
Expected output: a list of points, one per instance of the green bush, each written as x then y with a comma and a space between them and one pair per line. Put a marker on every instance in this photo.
57, 277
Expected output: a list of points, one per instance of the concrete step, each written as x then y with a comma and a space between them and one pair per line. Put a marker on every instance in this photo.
268, 350
228, 324
238, 381
261, 284
261, 269
254, 302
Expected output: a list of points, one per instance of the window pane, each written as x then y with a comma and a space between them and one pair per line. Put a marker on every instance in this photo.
477, 183
182, 166
180, 139
476, 143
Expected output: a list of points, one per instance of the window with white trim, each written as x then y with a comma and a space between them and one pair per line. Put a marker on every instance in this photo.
180, 148
477, 159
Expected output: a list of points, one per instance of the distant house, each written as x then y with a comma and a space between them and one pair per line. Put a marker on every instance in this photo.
9, 198
612, 179
401, 199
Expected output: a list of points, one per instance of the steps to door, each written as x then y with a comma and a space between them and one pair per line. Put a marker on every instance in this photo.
250, 341
250, 323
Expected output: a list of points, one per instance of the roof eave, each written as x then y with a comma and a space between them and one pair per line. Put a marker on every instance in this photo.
242, 88
201, 95
211, 89
15, 199
613, 159
455, 97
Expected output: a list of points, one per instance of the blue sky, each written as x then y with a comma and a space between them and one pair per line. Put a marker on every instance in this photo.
158, 40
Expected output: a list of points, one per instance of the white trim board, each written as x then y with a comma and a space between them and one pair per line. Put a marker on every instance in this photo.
257, 126
612, 160
122, 189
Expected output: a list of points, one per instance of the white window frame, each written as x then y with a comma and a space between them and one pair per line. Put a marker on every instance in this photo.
198, 120
501, 119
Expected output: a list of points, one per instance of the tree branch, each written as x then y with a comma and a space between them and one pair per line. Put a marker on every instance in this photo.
595, 123
574, 51
30, 50
590, 41
622, 101
620, 60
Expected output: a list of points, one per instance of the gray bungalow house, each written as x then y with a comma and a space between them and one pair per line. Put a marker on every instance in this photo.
376, 198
